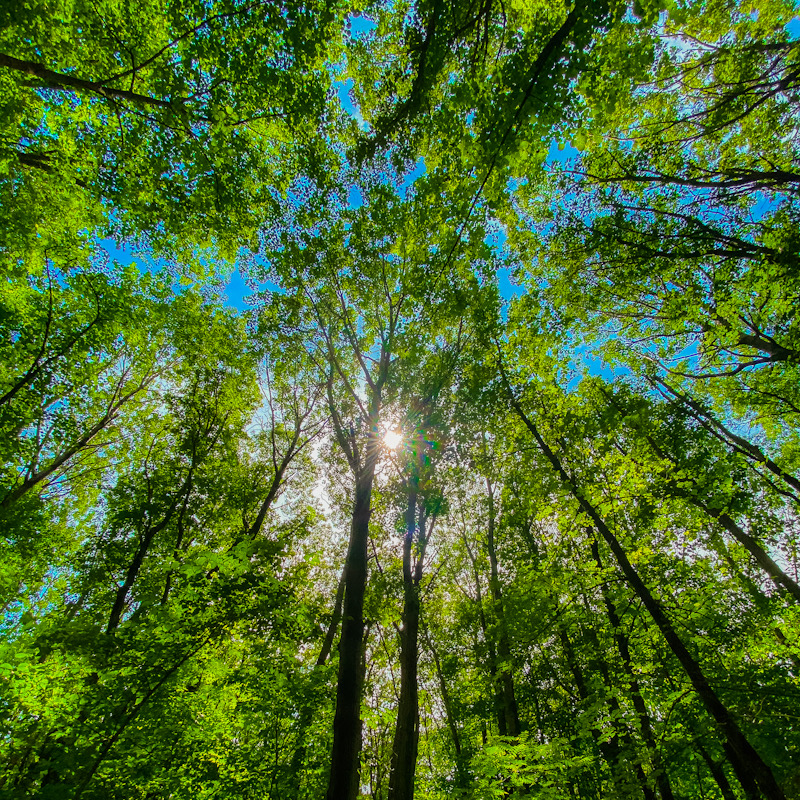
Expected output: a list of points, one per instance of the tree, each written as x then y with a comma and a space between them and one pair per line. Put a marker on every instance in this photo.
175, 117
576, 576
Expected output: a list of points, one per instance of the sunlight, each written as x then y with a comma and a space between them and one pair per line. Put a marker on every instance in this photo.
392, 439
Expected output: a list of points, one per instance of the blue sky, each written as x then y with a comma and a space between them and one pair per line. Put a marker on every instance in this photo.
237, 291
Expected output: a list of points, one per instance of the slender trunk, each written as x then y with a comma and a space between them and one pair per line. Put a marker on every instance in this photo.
406, 734
121, 596
80, 444
275, 486
715, 768
779, 577
130, 717
176, 550
446, 700
506, 692
623, 648
741, 444
609, 749
497, 699
38, 365
622, 735
40, 475
250, 533
343, 781
746, 762
327, 644
306, 715
760, 600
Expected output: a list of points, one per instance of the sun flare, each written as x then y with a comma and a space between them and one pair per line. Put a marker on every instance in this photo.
392, 439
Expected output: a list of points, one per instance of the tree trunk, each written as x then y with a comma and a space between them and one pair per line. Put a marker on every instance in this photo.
760, 600
76, 447
746, 761
506, 692
406, 734
497, 700
742, 445
307, 712
609, 749
715, 768
121, 596
446, 701
622, 736
779, 577
621, 641
343, 782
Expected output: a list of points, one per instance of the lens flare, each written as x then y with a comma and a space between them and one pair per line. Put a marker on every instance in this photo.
392, 439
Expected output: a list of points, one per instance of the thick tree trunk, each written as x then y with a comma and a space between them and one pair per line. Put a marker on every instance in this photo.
775, 351
343, 782
746, 761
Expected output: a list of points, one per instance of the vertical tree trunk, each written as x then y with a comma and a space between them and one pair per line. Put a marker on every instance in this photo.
715, 768
506, 692
406, 734
622, 736
343, 781
609, 748
746, 761
497, 700
446, 701
307, 712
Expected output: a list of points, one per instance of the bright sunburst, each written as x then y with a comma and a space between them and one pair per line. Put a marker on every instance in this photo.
392, 439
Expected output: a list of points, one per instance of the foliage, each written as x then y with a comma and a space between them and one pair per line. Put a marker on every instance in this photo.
572, 571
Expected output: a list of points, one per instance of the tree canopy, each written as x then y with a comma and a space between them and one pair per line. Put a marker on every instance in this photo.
490, 486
